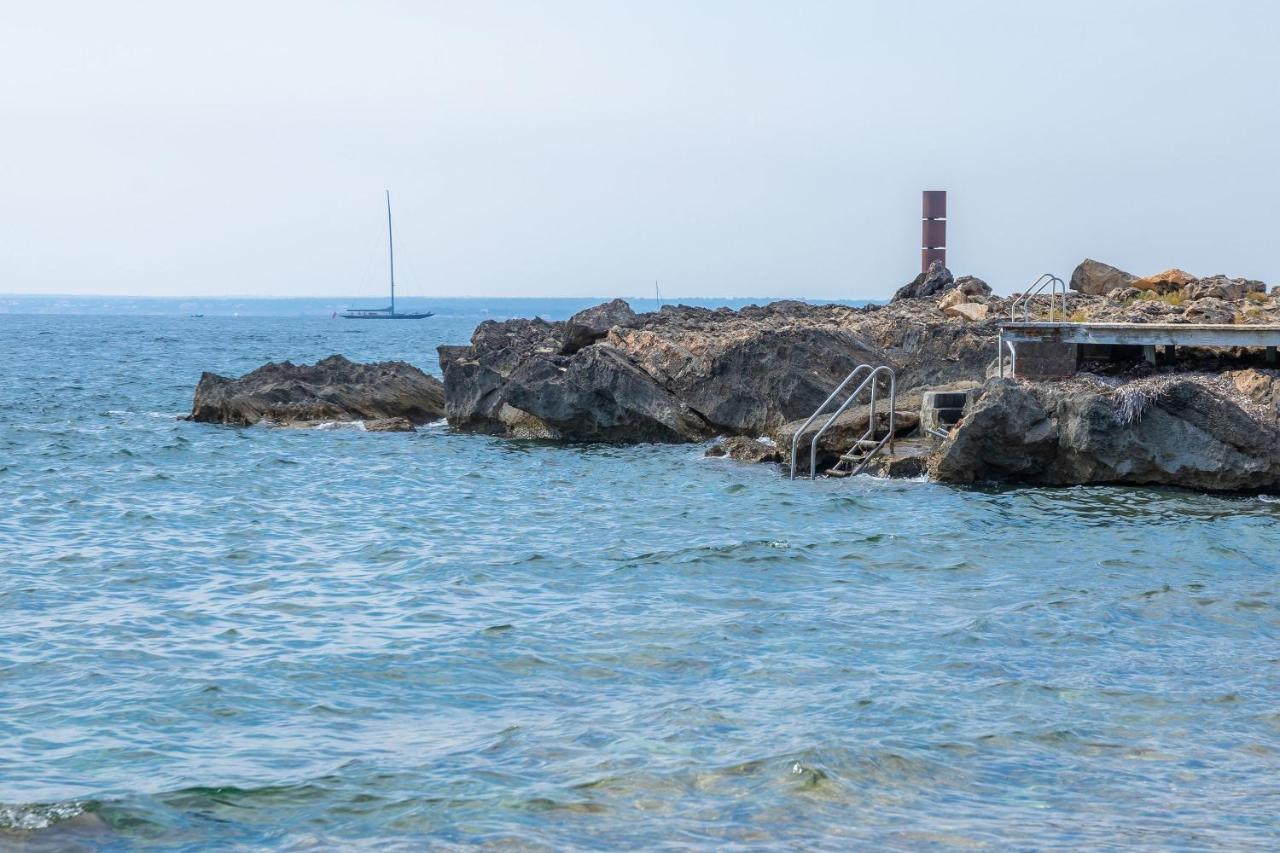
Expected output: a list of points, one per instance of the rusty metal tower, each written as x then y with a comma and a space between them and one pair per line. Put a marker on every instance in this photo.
933, 231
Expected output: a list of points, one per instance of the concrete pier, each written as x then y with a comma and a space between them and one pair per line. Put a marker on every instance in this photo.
1046, 350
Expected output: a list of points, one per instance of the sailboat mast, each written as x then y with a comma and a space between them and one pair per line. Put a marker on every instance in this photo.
391, 252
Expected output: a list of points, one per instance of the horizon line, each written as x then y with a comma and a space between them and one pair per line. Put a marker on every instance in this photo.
664, 300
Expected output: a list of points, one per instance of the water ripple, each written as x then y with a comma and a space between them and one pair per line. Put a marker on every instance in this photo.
327, 638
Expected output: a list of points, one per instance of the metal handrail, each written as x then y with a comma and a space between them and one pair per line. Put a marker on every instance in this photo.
871, 423
1013, 356
795, 439
1045, 280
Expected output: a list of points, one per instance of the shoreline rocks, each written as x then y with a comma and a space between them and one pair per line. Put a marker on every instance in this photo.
686, 374
1190, 430
387, 396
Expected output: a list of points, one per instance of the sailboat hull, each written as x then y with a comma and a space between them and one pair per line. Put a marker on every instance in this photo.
355, 315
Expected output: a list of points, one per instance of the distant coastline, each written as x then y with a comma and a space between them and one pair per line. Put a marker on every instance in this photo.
550, 307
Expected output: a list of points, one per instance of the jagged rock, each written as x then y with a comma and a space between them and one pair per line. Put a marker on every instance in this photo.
952, 297
334, 389
700, 371
1099, 279
971, 311
745, 449
1221, 287
590, 325
972, 286
1165, 282
685, 374
595, 395
1209, 310
1170, 430
930, 283
1126, 294
1262, 387
389, 425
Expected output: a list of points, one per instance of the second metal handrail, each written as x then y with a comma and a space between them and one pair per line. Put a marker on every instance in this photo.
1056, 287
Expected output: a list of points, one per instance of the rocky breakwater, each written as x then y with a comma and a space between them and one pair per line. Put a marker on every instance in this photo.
1207, 431
387, 396
687, 374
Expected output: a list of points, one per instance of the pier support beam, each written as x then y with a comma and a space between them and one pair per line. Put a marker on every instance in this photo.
1045, 360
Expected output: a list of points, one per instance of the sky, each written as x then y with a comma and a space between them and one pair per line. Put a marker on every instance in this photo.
564, 148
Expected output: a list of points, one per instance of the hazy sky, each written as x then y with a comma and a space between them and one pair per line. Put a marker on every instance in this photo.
588, 148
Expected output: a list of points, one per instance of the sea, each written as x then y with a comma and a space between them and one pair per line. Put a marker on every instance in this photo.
254, 638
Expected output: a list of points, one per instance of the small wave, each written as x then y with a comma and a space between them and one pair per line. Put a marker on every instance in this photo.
330, 425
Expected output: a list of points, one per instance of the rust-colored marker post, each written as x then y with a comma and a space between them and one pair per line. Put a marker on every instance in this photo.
933, 238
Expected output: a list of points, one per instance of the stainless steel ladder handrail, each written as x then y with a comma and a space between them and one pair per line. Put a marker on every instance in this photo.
795, 439
1013, 355
1037, 287
871, 419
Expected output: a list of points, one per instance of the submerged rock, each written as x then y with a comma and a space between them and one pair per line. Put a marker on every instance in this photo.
1194, 431
744, 449
389, 425
334, 389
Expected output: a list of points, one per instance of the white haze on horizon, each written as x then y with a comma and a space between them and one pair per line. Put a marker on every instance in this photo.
582, 148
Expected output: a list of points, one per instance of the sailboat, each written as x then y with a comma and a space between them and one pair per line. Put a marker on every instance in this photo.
388, 313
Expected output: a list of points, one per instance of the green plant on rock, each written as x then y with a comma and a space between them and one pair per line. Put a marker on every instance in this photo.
1256, 296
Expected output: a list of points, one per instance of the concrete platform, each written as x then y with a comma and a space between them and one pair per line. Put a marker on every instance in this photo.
1143, 334
1050, 350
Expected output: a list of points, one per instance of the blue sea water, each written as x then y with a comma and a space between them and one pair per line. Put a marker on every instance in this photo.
253, 638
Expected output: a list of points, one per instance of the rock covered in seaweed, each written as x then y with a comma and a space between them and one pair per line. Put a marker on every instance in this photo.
393, 393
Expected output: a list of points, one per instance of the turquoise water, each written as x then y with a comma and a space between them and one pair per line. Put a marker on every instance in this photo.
219, 637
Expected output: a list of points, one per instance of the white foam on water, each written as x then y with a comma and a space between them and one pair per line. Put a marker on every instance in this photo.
34, 817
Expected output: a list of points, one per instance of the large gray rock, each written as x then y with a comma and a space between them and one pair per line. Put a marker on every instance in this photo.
334, 389
682, 374
596, 395
1209, 310
1180, 431
929, 283
1099, 279
971, 285
1221, 287
590, 325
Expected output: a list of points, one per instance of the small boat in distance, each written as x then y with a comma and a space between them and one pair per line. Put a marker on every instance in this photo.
390, 312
